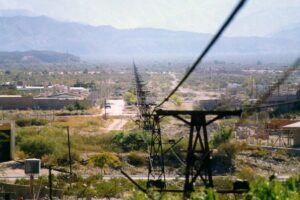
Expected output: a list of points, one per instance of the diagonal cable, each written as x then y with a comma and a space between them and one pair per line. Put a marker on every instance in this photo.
249, 111
206, 50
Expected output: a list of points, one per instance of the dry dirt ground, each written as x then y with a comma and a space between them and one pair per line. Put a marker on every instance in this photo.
188, 102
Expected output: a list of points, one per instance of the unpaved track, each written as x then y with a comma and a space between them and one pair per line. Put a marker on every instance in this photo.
116, 125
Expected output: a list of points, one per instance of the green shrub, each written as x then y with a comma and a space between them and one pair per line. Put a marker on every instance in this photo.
136, 158
37, 147
260, 152
274, 190
131, 142
107, 189
77, 106
80, 189
174, 157
176, 99
209, 194
23, 122
106, 159
223, 135
246, 173
31, 122
61, 157
228, 149
130, 97
94, 186
47, 143
39, 122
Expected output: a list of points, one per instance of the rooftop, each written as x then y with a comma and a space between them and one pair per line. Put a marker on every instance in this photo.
5, 96
295, 125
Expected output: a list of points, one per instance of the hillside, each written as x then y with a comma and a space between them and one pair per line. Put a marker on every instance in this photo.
36, 57
22, 33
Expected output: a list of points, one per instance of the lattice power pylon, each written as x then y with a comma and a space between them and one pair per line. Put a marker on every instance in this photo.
156, 170
150, 125
198, 164
198, 153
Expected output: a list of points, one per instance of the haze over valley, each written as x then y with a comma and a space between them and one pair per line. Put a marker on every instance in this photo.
102, 43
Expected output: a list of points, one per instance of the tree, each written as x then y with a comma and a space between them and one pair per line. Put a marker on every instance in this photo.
79, 106
130, 97
76, 106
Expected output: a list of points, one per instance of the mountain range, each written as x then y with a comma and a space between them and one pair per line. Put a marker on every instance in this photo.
37, 57
23, 33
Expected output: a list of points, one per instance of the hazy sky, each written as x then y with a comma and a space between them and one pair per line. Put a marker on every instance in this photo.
259, 17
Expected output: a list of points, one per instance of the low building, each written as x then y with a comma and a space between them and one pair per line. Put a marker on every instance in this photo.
15, 102
294, 131
56, 102
30, 88
79, 90
53, 102
63, 96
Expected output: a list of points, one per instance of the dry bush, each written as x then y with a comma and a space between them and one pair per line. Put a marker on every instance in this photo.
246, 173
136, 158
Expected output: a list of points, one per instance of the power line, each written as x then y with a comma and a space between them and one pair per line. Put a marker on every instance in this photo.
206, 50
249, 111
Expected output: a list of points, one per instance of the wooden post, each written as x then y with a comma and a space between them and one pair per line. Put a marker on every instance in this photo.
50, 183
69, 148
31, 186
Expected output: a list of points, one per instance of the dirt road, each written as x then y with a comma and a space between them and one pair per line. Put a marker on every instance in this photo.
117, 109
117, 125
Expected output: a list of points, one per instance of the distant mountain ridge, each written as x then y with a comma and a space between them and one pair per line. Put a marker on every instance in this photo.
36, 57
291, 32
22, 33
15, 12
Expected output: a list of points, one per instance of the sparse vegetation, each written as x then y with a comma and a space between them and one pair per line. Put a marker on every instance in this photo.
31, 122
97, 152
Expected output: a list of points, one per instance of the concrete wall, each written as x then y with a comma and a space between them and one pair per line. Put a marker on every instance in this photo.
52, 104
16, 103
26, 103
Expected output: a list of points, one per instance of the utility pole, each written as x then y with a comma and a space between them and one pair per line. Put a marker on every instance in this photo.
105, 109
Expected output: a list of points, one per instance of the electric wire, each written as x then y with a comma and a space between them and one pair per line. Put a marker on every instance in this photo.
206, 50
249, 111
